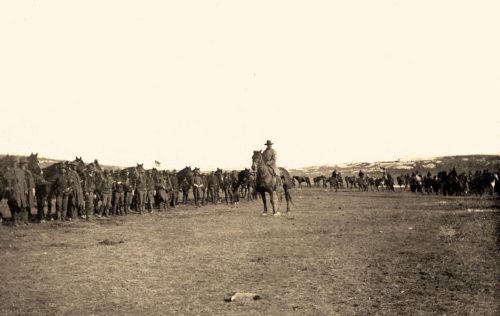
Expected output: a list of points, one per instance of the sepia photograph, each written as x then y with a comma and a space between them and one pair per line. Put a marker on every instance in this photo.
230, 157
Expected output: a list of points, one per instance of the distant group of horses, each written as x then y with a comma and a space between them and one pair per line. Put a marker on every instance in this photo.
475, 183
450, 182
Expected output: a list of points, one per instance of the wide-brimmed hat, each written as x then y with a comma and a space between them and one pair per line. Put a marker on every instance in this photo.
269, 142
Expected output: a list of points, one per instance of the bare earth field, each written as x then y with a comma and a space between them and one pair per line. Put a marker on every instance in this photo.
345, 253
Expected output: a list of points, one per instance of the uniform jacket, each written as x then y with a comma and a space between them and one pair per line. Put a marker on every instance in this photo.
63, 184
270, 157
17, 187
106, 185
89, 184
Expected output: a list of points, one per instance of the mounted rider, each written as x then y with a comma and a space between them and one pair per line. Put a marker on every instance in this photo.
270, 156
361, 174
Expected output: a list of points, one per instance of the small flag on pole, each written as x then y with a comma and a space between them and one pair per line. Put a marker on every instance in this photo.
157, 163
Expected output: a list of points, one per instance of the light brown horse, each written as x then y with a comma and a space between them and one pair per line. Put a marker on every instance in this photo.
267, 182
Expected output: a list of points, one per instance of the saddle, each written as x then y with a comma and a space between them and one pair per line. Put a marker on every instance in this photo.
276, 179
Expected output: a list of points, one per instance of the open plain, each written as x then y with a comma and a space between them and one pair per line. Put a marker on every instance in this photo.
345, 253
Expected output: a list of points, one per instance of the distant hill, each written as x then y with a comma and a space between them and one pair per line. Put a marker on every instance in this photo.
461, 163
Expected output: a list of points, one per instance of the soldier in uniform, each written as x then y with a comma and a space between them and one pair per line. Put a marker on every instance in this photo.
89, 187
76, 199
30, 182
174, 183
270, 157
197, 186
62, 189
162, 187
129, 192
106, 189
141, 191
119, 192
150, 186
17, 190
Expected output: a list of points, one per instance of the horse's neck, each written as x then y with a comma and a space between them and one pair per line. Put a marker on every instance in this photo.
262, 169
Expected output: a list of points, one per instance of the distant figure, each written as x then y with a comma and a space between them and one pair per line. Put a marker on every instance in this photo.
334, 174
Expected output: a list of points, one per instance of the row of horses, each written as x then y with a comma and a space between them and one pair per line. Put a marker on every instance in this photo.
452, 183
205, 187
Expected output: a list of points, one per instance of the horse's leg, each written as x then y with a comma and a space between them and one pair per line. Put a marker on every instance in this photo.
288, 198
263, 195
271, 198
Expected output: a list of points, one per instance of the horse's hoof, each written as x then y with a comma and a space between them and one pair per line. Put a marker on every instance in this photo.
277, 214
263, 214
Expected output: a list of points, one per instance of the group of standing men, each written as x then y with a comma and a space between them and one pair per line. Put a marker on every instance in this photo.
81, 192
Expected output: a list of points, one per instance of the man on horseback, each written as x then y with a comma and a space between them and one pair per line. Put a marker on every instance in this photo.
270, 156
268, 178
361, 174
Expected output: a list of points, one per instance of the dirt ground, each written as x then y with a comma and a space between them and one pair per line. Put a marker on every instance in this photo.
345, 253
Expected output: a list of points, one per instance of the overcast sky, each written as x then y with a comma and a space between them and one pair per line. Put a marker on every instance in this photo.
206, 82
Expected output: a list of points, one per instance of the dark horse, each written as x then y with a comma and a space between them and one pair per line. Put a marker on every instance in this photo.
267, 182
185, 179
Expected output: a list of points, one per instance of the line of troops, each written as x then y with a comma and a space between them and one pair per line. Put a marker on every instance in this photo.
85, 194
87, 191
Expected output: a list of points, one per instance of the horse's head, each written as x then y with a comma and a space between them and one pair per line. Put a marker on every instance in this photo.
186, 173
257, 159
34, 164
35, 168
33, 158
140, 168
219, 175
245, 175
